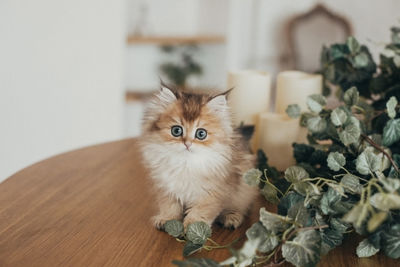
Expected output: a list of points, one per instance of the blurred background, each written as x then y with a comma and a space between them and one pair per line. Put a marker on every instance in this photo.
75, 73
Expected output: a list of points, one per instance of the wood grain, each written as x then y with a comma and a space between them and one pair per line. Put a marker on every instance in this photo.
91, 207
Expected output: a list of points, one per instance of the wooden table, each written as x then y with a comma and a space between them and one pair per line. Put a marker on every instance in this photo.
91, 207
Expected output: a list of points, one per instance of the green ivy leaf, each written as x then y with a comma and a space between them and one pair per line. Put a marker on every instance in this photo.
270, 193
338, 188
393, 173
319, 219
361, 60
388, 53
375, 238
306, 189
198, 232
293, 111
245, 256
268, 240
342, 207
313, 190
273, 222
305, 116
352, 121
295, 174
288, 201
367, 162
330, 72
191, 248
338, 117
302, 152
357, 214
304, 249
328, 200
174, 228
255, 231
330, 239
338, 225
391, 107
316, 124
338, 51
351, 96
196, 262
395, 35
385, 201
385, 163
301, 188
396, 61
336, 161
252, 177
353, 45
351, 183
299, 214
391, 132
366, 249
350, 134
390, 184
391, 242
316, 102
376, 220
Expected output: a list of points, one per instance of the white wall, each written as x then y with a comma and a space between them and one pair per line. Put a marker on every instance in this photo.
60, 77
162, 17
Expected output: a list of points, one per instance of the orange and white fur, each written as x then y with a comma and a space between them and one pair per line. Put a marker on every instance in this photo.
195, 159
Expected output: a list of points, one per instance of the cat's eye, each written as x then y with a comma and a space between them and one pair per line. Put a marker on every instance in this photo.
201, 134
176, 130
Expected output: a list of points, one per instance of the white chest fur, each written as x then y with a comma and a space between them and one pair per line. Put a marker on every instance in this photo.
188, 175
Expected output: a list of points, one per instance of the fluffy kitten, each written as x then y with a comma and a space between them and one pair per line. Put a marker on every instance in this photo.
195, 159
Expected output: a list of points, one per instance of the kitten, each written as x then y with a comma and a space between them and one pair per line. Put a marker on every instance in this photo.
195, 159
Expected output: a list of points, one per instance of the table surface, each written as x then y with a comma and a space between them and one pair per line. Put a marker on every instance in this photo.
91, 207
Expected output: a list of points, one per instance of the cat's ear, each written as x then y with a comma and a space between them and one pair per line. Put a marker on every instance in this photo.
219, 101
166, 95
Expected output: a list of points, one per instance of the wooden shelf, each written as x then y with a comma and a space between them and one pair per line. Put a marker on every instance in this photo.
175, 40
132, 96
140, 94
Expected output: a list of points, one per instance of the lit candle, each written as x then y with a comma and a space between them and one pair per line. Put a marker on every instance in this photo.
278, 133
293, 87
250, 96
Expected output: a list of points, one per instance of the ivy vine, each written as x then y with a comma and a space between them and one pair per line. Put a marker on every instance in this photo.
346, 178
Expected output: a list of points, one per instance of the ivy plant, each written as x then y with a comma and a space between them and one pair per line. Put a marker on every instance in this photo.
346, 178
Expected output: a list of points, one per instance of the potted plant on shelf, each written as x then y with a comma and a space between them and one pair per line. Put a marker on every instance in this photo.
184, 66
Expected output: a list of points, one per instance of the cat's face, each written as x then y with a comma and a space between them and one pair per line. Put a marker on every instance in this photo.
188, 134
189, 123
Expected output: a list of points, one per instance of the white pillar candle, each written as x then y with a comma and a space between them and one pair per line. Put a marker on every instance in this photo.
278, 133
250, 96
293, 87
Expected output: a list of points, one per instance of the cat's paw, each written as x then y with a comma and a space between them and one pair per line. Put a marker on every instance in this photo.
231, 220
159, 221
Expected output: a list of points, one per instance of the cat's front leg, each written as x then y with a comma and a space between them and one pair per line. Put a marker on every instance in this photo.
169, 209
204, 210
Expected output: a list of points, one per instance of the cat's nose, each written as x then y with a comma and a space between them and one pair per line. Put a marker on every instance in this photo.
187, 144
